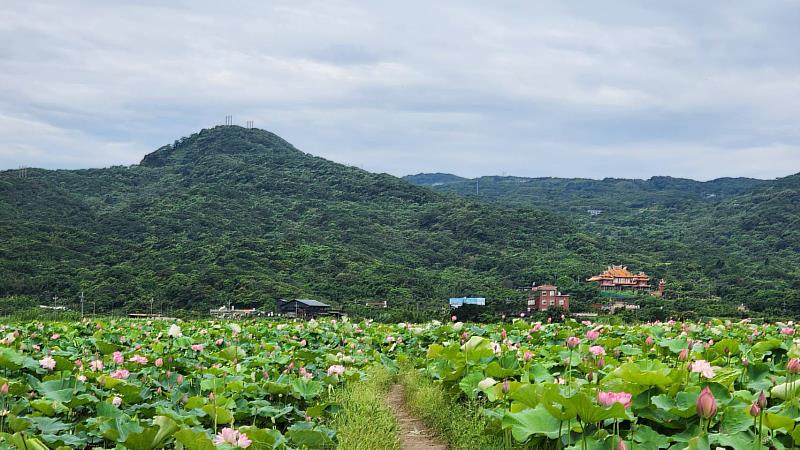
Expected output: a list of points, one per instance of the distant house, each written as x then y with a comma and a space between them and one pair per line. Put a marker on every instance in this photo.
303, 308
377, 304
594, 212
455, 302
546, 296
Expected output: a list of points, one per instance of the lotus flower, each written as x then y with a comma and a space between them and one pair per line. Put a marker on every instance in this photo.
4, 389
48, 363
336, 369
609, 398
96, 365
174, 331
754, 410
573, 341
118, 358
597, 350
706, 404
793, 367
233, 438
704, 368
762, 400
592, 335
120, 374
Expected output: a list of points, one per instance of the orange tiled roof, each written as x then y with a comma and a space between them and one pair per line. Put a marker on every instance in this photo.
618, 272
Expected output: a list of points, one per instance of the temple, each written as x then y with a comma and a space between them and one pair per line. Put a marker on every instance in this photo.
619, 278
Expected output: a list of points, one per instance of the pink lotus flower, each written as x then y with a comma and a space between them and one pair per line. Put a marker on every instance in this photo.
179, 379
305, 374
197, 347
592, 335
120, 374
336, 369
609, 398
683, 355
649, 340
48, 363
597, 350
788, 331
389, 338
536, 327
116, 401
704, 368
138, 359
303, 343
55, 336
219, 341
233, 438
453, 317
573, 341
159, 362
118, 358
793, 367
96, 365
527, 356
82, 378
4, 389
706, 404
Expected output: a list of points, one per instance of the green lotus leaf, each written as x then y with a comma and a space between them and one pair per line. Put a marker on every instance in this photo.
532, 422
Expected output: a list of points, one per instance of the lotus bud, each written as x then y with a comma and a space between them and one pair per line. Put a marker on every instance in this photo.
754, 410
179, 379
573, 341
503, 334
4, 389
601, 362
745, 362
622, 446
527, 356
649, 340
706, 404
683, 355
762, 400
590, 376
617, 352
506, 387
793, 367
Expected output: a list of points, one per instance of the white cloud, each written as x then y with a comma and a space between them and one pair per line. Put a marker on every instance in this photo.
403, 87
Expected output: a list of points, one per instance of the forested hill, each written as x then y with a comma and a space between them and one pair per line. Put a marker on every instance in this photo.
738, 238
239, 214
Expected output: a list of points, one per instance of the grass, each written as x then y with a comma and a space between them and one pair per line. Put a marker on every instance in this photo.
365, 421
460, 424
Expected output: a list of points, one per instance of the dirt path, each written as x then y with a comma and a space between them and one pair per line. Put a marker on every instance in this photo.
414, 435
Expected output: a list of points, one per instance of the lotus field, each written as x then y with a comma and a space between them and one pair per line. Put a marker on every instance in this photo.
270, 385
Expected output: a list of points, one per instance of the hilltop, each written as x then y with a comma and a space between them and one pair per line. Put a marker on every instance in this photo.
240, 214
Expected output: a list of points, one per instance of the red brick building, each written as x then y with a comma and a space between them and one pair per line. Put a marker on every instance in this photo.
545, 296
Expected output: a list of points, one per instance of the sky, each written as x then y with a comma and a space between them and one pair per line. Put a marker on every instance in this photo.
564, 88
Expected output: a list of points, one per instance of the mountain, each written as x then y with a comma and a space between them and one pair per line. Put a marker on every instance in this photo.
241, 215
734, 238
235, 214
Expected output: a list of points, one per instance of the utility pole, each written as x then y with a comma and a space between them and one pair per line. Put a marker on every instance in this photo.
151, 306
82, 300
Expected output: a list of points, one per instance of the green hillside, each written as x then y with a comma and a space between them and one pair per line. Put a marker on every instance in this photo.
241, 215
733, 238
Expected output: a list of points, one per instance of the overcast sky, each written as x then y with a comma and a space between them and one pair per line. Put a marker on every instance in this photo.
591, 89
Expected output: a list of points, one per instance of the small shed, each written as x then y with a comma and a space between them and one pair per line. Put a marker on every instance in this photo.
303, 308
